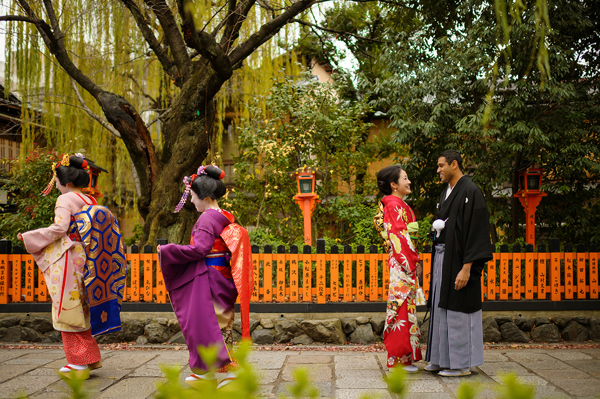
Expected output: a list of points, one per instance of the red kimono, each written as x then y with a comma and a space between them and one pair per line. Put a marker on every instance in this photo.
401, 334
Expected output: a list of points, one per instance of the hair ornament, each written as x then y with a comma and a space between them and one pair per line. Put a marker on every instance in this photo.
188, 180
63, 162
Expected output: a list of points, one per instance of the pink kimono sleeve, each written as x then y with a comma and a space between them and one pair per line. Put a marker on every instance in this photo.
36, 240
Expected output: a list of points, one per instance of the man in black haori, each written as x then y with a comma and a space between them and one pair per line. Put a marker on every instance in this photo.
461, 249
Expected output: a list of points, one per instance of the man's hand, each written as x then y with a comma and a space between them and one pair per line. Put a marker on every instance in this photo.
463, 276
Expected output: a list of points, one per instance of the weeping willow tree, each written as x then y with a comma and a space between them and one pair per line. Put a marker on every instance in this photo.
144, 84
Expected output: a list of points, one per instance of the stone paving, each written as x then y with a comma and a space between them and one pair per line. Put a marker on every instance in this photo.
557, 373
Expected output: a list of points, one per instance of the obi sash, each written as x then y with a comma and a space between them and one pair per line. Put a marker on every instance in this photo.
238, 243
105, 267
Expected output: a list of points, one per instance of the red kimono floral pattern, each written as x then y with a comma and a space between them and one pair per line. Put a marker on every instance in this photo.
401, 334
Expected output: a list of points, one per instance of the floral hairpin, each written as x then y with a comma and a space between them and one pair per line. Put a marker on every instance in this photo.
188, 180
63, 162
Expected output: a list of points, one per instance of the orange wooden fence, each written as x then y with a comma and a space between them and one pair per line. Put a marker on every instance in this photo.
358, 277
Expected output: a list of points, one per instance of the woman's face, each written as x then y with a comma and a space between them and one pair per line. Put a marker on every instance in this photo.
61, 188
198, 203
403, 184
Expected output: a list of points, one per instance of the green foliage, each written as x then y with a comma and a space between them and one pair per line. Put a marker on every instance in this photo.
437, 87
27, 180
513, 389
306, 123
138, 232
76, 385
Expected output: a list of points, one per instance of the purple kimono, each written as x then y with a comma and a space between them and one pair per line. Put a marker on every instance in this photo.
202, 296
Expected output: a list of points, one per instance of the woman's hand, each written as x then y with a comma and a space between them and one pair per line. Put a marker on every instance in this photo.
20, 237
158, 249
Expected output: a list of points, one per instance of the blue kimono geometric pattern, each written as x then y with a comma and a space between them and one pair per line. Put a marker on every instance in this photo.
105, 267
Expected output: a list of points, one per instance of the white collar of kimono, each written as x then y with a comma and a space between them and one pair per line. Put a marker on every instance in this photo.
449, 190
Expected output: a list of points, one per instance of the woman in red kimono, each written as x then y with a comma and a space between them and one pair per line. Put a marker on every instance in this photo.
395, 220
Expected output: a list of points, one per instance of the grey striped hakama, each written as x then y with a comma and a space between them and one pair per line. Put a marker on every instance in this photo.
455, 339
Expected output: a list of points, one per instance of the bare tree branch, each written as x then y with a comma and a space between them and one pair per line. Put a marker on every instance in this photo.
19, 18
268, 30
146, 31
91, 113
172, 35
204, 44
339, 32
234, 24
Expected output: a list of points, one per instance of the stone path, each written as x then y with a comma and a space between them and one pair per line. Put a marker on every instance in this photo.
562, 373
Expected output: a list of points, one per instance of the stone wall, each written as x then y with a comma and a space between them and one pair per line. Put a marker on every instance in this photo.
335, 331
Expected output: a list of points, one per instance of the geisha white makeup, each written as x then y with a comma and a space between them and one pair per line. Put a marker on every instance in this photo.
198, 203
61, 188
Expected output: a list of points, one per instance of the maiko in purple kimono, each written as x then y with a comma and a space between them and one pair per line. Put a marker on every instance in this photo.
202, 296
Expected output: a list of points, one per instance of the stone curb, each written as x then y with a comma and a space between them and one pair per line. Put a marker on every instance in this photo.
158, 331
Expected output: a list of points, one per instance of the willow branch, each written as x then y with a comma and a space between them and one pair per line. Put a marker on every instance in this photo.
147, 33
268, 30
91, 113
54, 45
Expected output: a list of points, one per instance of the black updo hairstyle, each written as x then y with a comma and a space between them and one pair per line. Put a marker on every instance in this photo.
74, 173
386, 176
210, 184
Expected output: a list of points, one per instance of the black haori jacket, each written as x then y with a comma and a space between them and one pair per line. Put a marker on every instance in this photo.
467, 239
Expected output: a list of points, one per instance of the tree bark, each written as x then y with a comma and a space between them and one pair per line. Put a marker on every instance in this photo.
186, 132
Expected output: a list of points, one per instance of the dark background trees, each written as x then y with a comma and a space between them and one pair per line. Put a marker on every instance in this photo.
469, 76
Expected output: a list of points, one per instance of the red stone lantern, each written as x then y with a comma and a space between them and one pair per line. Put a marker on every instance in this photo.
93, 171
529, 194
306, 198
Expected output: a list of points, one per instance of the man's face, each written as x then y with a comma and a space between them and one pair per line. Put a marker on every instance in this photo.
445, 170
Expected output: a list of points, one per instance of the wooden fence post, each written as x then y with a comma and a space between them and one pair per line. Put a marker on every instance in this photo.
581, 257
426, 255
280, 262
555, 258
15, 260
146, 257
373, 273
503, 272
321, 271
334, 274
307, 273
268, 273
255, 271
542, 271
348, 274
360, 273
134, 288
516, 272
161, 291
294, 287
5, 250
593, 272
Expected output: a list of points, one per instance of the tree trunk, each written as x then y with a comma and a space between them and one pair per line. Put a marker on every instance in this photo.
186, 133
